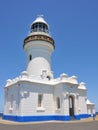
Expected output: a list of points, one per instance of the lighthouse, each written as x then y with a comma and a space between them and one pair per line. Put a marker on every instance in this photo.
39, 46
35, 95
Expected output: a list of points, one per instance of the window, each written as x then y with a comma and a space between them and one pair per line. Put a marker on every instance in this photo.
40, 98
58, 103
30, 57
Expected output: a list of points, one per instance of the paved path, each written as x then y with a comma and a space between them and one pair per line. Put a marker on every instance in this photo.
53, 126
86, 124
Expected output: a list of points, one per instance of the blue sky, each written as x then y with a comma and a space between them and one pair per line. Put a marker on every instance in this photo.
74, 27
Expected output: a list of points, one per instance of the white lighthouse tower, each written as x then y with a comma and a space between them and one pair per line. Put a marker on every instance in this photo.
36, 95
38, 47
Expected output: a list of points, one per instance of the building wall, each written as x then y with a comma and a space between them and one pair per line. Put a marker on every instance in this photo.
41, 57
25, 101
11, 100
82, 101
29, 99
69, 90
90, 109
58, 89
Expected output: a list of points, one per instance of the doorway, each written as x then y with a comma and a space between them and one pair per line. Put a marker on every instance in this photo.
71, 106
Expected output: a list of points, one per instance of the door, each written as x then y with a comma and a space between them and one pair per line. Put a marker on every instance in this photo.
71, 106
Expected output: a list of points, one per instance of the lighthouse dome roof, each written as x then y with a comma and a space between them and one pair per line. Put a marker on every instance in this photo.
39, 19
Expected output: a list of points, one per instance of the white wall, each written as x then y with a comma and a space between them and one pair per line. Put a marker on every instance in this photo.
82, 102
90, 109
11, 105
58, 89
41, 57
25, 101
29, 99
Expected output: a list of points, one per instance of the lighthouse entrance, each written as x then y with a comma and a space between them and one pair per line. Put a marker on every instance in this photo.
71, 106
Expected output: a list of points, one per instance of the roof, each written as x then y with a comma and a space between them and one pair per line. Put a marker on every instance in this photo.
40, 19
89, 103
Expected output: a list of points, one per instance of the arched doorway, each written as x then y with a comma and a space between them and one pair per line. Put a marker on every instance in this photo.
71, 106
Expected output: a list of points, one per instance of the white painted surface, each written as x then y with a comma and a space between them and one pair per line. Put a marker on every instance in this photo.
21, 93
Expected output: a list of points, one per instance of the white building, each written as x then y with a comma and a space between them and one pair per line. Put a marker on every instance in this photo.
35, 95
